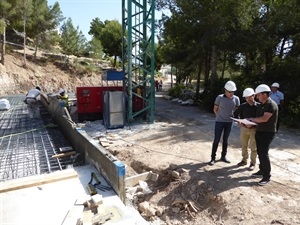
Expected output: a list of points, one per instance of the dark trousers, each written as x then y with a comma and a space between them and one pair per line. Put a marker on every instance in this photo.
278, 118
225, 128
263, 141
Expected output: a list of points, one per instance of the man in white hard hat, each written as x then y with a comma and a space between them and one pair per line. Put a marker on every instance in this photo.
266, 119
224, 106
278, 97
32, 102
247, 133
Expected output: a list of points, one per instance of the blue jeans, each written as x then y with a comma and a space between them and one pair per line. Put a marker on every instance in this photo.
225, 128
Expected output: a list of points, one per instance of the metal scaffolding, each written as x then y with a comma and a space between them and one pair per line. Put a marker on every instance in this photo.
138, 57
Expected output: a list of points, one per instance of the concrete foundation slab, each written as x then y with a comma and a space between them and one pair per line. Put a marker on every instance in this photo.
61, 203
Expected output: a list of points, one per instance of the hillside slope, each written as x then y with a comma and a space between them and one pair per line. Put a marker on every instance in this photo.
50, 76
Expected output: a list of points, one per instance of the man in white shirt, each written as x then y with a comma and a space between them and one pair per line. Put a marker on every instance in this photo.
278, 97
32, 102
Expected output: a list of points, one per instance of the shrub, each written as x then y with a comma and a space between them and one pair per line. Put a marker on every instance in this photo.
291, 114
176, 90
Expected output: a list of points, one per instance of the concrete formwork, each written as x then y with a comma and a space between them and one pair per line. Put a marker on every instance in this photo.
109, 167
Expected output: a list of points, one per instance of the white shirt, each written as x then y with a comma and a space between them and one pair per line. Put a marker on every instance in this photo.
277, 96
33, 93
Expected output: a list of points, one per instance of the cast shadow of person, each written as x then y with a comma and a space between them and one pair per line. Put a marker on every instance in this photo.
202, 185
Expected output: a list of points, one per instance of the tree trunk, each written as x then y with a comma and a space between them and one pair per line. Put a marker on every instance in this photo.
36, 47
177, 76
115, 61
3, 47
171, 77
198, 79
213, 67
224, 64
282, 47
206, 70
24, 32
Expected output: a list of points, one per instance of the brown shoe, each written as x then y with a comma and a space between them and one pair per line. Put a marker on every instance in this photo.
251, 167
242, 163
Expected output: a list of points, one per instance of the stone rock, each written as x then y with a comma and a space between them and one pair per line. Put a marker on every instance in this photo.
144, 206
173, 166
159, 212
150, 212
175, 174
176, 209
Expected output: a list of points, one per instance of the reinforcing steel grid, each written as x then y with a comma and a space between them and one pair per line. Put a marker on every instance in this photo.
27, 145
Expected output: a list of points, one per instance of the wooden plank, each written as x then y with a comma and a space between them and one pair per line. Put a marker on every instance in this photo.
97, 199
134, 180
104, 142
65, 154
26, 182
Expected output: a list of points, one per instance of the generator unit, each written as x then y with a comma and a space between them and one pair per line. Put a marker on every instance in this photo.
90, 101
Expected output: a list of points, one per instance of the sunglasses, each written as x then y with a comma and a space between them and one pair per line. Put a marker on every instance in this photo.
231, 92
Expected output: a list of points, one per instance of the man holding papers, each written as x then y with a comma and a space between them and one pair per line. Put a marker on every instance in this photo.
266, 119
247, 131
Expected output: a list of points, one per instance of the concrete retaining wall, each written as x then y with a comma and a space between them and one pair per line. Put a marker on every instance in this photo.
108, 165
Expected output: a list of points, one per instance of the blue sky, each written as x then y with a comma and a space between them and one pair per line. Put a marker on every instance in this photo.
82, 12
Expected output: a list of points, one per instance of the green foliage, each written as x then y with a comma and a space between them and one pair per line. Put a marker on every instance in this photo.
72, 40
158, 74
291, 116
96, 27
253, 42
95, 48
84, 67
176, 90
111, 38
43, 22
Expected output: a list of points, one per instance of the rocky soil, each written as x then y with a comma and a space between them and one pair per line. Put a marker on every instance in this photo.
50, 76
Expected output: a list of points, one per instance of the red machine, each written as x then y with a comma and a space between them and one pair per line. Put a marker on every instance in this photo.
90, 101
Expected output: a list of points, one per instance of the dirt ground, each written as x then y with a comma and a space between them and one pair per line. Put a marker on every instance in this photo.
178, 147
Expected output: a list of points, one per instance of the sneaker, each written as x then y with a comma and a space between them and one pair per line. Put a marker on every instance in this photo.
251, 167
263, 182
242, 163
212, 162
224, 159
257, 174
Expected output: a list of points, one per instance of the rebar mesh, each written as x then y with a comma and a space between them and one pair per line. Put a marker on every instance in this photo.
27, 145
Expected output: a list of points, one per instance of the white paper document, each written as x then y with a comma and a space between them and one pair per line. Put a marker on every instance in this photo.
244, 121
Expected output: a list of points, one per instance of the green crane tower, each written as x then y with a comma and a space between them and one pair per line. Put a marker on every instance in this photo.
138, 57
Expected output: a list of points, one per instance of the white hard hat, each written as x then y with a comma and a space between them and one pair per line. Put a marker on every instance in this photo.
61, 91
230, 86
275, 85
262, 88
248, 92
